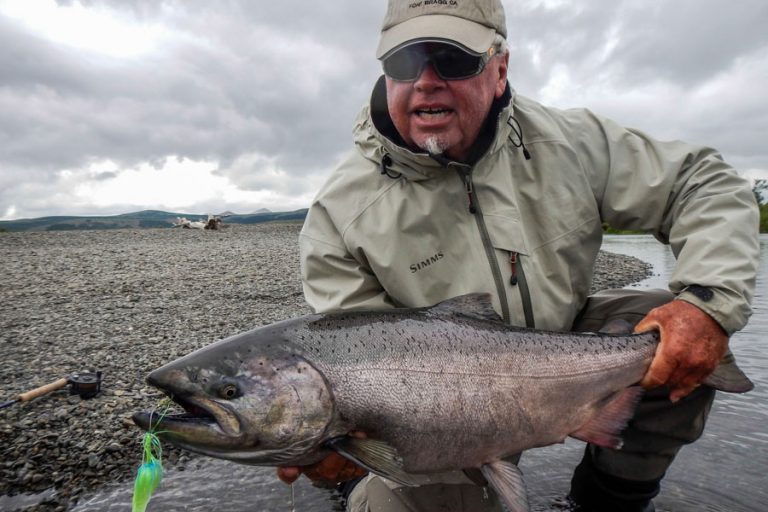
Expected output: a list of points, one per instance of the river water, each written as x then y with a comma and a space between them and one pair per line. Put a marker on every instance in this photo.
725, 471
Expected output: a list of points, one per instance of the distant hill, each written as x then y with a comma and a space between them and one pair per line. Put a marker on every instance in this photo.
137, 220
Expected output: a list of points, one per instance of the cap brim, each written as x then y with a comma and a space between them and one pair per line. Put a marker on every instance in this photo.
473, 36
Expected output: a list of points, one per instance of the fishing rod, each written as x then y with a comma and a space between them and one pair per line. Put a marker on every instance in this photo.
86, 384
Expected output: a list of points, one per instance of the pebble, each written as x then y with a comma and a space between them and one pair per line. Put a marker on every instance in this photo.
125, 302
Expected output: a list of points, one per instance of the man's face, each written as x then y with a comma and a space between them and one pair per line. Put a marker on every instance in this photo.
445, 116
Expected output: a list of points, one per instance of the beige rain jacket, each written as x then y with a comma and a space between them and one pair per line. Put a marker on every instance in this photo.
392, 227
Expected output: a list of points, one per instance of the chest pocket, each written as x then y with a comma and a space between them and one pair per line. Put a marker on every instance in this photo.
506, 233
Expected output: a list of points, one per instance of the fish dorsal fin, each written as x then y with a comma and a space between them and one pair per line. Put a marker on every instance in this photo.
605, 427
507, 480
476, 305
375, 456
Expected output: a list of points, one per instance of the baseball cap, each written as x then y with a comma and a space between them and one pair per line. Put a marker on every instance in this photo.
470, 23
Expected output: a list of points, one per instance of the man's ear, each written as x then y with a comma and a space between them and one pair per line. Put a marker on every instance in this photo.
501, 64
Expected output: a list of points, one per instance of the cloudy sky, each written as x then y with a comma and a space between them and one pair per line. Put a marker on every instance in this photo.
111, 106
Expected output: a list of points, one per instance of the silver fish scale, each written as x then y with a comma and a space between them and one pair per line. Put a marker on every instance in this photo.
439, 343
450, 391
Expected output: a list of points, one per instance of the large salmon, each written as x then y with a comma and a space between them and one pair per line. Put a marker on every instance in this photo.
435, 389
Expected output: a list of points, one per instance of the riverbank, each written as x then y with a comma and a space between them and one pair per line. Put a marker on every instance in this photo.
124, 302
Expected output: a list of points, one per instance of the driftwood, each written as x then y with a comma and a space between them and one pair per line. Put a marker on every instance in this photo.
213, 223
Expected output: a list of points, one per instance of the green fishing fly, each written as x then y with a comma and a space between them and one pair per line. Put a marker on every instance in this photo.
150, 473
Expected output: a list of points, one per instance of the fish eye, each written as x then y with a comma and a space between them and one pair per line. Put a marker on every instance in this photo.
229, 391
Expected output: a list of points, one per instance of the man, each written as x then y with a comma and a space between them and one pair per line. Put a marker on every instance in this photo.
460, 185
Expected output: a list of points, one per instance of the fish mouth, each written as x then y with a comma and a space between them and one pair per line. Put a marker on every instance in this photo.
203, 421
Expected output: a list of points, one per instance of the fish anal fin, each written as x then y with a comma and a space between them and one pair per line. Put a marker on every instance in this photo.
507, 480
477, 305
604, 428
375, 456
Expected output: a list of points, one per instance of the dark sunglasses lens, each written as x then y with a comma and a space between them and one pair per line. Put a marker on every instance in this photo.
455, 64
404, 65
450, 63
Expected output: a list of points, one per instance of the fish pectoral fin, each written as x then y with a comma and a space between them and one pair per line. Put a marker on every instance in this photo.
605, 427
507, 480
375, 456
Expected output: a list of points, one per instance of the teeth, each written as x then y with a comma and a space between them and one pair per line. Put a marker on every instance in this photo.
432, 112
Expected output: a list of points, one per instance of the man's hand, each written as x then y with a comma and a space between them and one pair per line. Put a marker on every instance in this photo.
328, 472
692, 345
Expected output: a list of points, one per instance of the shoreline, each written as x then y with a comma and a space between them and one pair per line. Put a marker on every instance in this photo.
125, 302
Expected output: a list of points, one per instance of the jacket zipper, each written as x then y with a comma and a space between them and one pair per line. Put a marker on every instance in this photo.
518, 275
474, 209
513, 264
518, 278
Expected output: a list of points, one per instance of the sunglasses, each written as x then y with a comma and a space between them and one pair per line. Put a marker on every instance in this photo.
449, 62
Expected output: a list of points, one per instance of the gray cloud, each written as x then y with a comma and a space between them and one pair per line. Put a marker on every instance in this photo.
695, 70
269, 91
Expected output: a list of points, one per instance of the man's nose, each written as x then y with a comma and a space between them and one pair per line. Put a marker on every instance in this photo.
428, 79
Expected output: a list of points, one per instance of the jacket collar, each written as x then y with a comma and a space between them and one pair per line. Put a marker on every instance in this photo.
376, 136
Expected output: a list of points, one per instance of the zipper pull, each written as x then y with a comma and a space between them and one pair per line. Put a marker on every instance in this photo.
513, 264
468, 188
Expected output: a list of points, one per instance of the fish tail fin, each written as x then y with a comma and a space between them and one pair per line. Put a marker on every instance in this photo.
605, 427
729, 377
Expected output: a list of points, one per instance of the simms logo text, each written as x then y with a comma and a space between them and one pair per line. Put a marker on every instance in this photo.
424, 264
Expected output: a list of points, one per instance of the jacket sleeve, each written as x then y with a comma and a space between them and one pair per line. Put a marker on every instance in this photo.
333, 279
687, 197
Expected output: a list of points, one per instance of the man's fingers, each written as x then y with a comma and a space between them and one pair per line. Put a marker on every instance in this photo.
288, 474
683, 384
327, 469
646, 325
331, 470
351, 471
659, 372
679, 393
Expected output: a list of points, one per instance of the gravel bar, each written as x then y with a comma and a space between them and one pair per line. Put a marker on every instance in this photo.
125, 302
